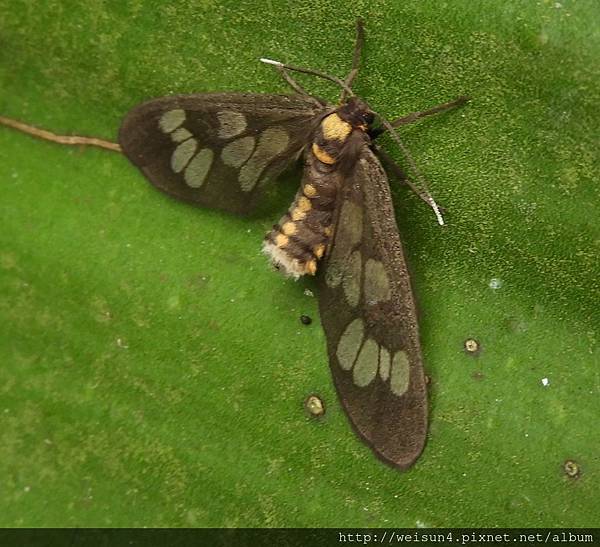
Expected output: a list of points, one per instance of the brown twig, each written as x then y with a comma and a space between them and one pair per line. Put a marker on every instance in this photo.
60, 139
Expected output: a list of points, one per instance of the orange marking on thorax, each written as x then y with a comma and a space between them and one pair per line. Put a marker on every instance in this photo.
334, 127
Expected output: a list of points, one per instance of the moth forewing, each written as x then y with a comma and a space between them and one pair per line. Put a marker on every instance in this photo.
217, 149
369, 317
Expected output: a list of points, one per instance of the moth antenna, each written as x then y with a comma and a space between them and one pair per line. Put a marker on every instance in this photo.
415, 170
463, 99
291, 82
270, 62
312, 72
60, 139
437, 212
358, 45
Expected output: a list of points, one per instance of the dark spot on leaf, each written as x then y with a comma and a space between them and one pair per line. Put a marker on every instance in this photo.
305, 320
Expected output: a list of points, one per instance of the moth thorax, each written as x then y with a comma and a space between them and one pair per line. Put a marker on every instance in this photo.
297, 243
330, 138
356, 113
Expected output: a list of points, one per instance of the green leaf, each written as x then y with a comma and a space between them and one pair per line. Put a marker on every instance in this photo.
154, 368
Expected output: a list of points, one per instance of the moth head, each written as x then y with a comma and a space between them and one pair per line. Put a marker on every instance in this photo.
357, 113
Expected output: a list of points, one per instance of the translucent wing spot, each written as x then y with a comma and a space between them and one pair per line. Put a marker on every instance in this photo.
183, 154
352, 275
365, 368
272, 142
236, 153
195, 173
349, 233
349, 344
333, 275
350, 225
231, 123
171, 120
180, 135
377, 283
400, 373
384, 363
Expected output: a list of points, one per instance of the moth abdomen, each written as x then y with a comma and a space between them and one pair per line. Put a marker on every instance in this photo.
299, 240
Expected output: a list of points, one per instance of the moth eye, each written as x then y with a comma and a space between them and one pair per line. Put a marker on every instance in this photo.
369, 118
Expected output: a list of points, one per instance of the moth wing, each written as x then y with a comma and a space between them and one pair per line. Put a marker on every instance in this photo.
370, 321
218, 150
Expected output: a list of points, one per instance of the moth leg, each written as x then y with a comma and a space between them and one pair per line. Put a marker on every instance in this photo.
358, 45
297, 87
392, 167
414, 116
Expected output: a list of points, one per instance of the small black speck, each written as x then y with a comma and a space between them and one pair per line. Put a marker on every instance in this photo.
305, 320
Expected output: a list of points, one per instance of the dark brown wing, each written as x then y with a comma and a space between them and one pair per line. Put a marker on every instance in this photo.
217, 150
370, 322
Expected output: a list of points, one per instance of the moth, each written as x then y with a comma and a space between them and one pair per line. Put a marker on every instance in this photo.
222, 150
